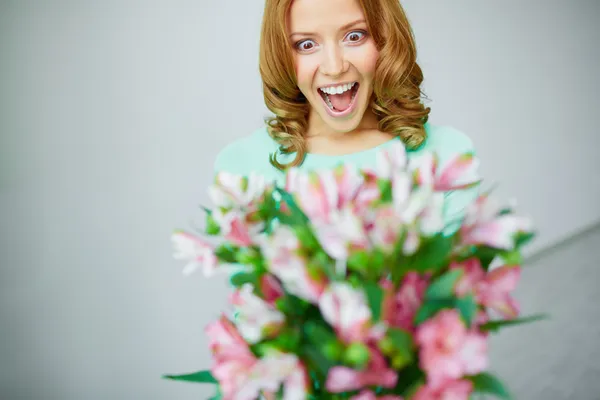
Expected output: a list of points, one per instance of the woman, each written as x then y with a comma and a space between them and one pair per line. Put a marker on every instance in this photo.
342, 81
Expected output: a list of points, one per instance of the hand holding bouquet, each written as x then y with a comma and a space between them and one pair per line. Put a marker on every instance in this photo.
348, 284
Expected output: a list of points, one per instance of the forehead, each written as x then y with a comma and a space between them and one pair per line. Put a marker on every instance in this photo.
312, 15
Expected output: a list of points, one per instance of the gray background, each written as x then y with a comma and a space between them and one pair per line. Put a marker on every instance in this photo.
112, 113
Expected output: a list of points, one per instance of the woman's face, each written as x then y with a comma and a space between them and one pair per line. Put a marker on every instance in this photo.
335, 58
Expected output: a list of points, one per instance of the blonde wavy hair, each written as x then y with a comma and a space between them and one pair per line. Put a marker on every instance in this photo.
397, 95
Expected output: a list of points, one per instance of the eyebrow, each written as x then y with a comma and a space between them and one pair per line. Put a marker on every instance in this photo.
343, 28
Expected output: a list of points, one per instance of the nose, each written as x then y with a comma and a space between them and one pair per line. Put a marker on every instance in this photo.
333, 62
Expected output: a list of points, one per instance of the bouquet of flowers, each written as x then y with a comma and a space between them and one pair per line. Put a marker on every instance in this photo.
348, 284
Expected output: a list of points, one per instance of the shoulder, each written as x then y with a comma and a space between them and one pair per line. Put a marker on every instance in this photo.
246, 154
447, 141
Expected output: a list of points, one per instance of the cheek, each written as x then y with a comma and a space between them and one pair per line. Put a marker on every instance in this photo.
366, 62
306, 68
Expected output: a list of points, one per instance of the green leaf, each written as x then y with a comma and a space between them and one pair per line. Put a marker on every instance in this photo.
512, 257
443, 287
306, 237
523, 238
486, 383
320, 263
293, 306
430, 307
374, 294
401, 339
199, 377
403, 345
408, 379
377, 262
318, 333
493, 326
385, 188
218, 395
434, 254
298, 216
240, 278
486, 255
411, 390
212, 227
316, 359
467, 307
358, 261
226, 253
207, 210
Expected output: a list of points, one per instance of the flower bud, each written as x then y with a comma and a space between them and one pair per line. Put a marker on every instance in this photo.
357, 355
399, 361
386, 345
333, 350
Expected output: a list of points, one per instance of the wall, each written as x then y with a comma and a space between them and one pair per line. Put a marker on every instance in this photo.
112, 114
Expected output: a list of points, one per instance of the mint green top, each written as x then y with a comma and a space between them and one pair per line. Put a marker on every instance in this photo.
251, 154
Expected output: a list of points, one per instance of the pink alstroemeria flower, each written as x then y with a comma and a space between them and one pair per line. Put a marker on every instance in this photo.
368, 193
235, 228
256, 318
385, 228
233, 361
196, 252
242, 376
346, 310
236, 191
327, 198
492, 290
297, 384
276, 369
450, 390
431, 221
377, 373
483, 225
320, 193
420, 206
458, 173
341, 234
497, 289
281, 251
424, 169
391, 161
400, 308
369, 395
448, 350
270, 288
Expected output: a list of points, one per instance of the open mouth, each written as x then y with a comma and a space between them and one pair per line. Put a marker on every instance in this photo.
339, 99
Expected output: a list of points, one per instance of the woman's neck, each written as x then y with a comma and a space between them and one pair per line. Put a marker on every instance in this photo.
321, 139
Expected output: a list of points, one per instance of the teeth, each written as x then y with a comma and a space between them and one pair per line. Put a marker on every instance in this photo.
328, 102
337, 89
334, 90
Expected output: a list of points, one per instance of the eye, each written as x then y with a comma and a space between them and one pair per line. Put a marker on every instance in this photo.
356, 36
305, 45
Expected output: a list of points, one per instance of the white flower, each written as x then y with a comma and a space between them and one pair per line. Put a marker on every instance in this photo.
345, 309
431, 220
255, 317
198, 253
343, 230
391, 160
281, 253
236, 191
